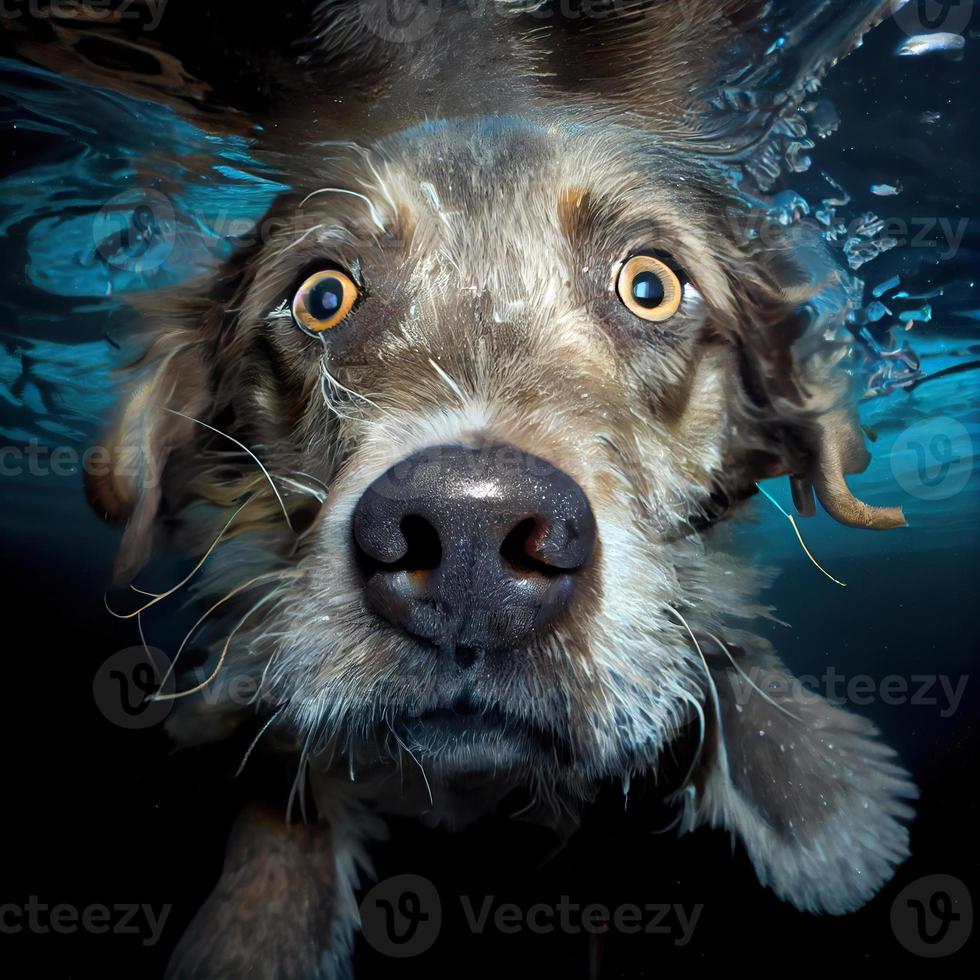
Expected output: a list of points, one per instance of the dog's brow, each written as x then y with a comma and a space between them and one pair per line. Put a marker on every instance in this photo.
586, 216
576, 213
375, 216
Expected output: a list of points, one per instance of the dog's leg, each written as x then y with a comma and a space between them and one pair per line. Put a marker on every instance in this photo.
283, 908
813, 794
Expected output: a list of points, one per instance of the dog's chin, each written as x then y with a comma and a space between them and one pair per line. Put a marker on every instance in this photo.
469, 742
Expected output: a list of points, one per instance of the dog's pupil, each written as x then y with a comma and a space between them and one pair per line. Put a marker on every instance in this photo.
325, 298
648, 290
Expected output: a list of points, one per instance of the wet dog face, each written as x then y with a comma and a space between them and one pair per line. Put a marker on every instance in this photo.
520, 457
454, 440
509, 367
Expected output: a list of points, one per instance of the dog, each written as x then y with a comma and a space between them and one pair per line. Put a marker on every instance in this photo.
467, 424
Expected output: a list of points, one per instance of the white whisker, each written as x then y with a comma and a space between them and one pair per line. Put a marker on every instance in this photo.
752, 683
255, 741
375, 217
428, 788
258, 461
712, 693
450, 383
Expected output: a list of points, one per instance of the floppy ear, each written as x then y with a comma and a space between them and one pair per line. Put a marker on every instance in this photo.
127, 486
799, 392
839, 450
815, 797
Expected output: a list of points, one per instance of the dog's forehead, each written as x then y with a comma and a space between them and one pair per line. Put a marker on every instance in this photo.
522, 212
509, 202
512, 165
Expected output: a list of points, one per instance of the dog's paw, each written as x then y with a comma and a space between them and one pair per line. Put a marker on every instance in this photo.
271, 915
817, 799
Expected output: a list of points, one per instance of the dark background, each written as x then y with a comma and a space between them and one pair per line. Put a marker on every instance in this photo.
97, 813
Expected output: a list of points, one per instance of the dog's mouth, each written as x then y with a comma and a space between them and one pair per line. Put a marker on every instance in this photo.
461, 721
470, 735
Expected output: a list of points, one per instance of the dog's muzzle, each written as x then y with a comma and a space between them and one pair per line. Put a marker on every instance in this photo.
472, 551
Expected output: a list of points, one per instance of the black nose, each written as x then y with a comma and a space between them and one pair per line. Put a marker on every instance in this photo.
472, 550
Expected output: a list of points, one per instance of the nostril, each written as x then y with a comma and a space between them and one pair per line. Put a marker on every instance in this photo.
521, 549
423, 549
470, 551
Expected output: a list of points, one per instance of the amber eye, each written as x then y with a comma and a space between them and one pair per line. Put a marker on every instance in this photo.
323, 300
649, 288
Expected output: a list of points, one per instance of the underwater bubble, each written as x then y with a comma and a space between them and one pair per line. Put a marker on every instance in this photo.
921, 315
824, 117
842, 198
865, 243
788, 208
796, 156
938, 43
932, 294
877, 311
884, 287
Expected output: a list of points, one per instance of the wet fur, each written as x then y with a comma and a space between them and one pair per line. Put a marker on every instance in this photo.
486, 244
